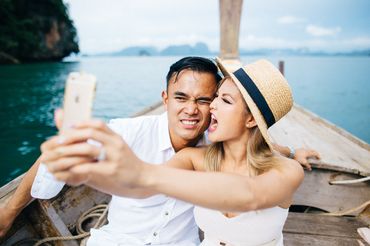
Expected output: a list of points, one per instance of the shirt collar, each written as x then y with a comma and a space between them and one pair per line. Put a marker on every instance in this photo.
164, 139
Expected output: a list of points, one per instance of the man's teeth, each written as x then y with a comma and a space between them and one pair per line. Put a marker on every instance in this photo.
189, 122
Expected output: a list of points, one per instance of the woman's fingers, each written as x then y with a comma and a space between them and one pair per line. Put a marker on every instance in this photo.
67, 163
58, 118
51, 143
81, 174
82, 135
71, 178
79, 149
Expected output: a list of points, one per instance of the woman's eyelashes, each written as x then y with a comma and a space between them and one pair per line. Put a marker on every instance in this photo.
226, 100
223, 98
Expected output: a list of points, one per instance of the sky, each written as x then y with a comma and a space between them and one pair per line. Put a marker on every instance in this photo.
317, 25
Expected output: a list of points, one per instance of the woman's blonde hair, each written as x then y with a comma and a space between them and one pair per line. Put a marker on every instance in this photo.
259, 156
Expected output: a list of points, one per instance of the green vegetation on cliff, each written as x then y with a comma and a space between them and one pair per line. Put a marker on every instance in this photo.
35, 30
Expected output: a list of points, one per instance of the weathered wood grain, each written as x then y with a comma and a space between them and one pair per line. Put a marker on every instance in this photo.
315, 191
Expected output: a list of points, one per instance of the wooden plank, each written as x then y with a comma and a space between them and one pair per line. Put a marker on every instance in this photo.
302, 129
291, 239
315, 191
365, 216
315, 224
230, 15
154, 109
8, 190
21, 230
314, 229
73, 201
48, 223
335, 128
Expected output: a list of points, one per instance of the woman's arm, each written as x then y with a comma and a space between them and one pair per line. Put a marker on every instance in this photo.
123, 170
73, 160
224, 191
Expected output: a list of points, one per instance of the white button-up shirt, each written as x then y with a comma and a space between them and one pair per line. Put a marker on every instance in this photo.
157, 220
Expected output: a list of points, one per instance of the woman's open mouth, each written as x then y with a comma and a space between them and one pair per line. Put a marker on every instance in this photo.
213, 125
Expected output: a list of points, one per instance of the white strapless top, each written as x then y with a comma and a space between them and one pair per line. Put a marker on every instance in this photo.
261, 227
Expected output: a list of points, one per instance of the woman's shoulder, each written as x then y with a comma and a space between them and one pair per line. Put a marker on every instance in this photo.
194, 150
290, 168
196, 154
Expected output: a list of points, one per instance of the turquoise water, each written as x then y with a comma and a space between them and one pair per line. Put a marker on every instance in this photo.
336, 88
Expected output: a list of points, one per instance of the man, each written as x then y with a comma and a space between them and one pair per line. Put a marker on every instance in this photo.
157, 220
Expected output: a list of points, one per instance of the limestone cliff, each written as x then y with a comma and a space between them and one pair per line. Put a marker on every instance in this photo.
35, 30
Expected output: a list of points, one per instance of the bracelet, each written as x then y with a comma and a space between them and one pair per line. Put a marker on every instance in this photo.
291, 152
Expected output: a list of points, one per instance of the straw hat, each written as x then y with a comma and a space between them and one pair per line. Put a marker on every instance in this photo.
265, 90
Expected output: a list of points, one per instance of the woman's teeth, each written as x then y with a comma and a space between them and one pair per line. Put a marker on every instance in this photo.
213, 124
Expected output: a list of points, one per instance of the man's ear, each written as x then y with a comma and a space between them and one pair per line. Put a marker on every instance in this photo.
165, 99
250, 122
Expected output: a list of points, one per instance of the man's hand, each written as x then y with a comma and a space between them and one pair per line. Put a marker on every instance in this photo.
6, 220
302, 155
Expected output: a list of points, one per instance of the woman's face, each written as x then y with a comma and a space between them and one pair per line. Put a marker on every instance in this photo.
228, 112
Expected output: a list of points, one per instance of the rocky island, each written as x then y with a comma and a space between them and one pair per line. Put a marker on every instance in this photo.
35, 30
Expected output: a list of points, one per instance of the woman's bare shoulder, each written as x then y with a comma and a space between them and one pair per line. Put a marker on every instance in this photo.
290, 168
196, 154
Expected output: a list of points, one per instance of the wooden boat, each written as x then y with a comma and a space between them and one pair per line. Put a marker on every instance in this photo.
344, 157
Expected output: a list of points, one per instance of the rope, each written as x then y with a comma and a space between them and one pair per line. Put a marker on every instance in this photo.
349, 211
99, 211
351, 181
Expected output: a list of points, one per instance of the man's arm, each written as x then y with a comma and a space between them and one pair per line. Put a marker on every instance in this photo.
301, 154
19, 200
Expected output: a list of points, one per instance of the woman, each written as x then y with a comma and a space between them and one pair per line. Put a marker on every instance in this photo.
238, 174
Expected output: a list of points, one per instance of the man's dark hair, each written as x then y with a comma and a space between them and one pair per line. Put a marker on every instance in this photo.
194, 63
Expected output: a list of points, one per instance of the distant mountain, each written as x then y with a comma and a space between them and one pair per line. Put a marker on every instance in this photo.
137, 51
301, 52
201, 49
172, 50
176, 50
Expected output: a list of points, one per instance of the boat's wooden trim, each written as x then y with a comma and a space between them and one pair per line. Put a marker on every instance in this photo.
319, 164
315, 191
301, 128
313, 229
149, 110
336, 128
9, 187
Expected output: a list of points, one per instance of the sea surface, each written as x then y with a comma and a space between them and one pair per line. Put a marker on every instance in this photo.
335, 88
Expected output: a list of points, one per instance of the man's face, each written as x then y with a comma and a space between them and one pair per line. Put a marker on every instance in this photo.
187, 102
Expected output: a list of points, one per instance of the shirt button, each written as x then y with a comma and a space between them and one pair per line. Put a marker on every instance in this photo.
155, 234
166, 213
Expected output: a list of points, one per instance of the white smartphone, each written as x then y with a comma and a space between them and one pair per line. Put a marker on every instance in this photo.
78, 101
78, 98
